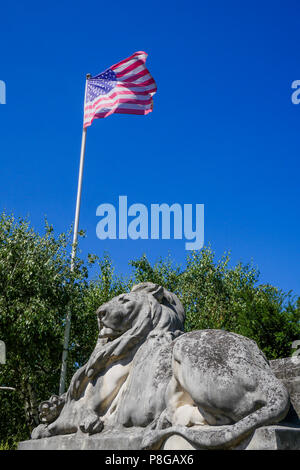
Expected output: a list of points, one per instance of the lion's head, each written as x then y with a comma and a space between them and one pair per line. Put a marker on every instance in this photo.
148, 308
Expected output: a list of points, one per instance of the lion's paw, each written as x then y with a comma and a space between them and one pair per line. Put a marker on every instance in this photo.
92, 424
40, 431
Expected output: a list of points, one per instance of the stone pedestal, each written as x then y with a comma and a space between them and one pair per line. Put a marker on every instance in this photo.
265, 438
129, 439
275, 438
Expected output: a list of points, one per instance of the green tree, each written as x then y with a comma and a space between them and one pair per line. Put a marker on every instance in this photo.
216, 294
36, 290
163, 272
100, 290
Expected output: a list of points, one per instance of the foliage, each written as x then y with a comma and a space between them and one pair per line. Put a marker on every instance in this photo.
36, 289
84, 325
218, 295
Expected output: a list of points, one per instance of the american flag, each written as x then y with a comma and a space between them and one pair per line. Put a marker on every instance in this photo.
126, 87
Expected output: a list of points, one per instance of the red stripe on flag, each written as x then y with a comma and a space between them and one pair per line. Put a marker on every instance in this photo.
123, 111
128, 69
118, 111
146, 83
131, 88
135, 77
133, 111
108, 100
115, 66
116, 103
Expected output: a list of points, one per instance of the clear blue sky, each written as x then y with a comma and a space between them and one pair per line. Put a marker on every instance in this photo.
223, 132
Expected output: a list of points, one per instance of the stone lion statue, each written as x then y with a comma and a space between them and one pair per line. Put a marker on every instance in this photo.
211, 388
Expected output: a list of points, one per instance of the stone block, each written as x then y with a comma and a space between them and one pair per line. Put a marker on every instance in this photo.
265, 438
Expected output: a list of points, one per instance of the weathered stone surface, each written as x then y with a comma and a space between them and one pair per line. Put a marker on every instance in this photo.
288, 370
264, 438
128, 439
227, 382
275, 438
210, 388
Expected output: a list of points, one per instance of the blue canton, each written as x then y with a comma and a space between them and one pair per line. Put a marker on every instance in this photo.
100, 84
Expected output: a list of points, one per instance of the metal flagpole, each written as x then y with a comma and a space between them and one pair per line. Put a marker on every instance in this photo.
74, 246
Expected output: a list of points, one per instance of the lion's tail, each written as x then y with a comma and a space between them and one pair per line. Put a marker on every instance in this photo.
228, 436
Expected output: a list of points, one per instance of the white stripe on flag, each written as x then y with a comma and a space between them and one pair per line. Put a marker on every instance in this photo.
102, 108
135, 88
104, 99
124, 66
138, 69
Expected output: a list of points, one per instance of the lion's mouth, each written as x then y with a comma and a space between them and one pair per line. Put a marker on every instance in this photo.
108, 332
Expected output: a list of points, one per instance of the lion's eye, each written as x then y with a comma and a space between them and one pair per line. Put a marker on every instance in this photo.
124, 300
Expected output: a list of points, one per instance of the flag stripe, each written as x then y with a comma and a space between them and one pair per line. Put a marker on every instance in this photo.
113, 102
119, 111
129, 108
126, 88
137, 87
125, 111
145, 83
122, 92
118, 101
138, 78
129, 70
123, 106
113, 94
136, 73
126, 105
124, 63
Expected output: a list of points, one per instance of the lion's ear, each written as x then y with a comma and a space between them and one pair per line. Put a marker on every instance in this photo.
158, 294
150, 288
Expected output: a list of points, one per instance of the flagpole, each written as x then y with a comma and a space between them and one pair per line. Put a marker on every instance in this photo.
73, 254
